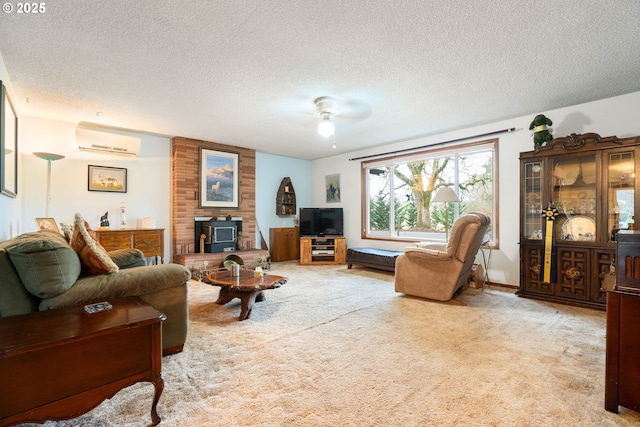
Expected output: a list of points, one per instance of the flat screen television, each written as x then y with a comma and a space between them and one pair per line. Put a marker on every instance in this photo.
321, 222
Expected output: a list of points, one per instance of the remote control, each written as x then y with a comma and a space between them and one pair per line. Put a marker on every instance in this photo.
97, 307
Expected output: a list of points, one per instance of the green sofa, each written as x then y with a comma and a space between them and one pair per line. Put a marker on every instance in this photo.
41, 271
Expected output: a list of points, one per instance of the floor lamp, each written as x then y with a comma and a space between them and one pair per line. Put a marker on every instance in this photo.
445, 195
49, 157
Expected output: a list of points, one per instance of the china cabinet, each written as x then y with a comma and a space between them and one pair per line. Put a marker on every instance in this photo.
588, 184
286, 198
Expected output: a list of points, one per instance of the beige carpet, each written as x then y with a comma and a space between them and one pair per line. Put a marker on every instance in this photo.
337, 347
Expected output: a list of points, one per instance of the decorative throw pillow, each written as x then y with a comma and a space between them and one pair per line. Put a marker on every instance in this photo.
93, 256
66, 230
46, 264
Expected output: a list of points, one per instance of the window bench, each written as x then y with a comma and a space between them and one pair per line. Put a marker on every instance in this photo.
380, 259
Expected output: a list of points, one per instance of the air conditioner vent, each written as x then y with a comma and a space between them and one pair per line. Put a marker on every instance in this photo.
107, 143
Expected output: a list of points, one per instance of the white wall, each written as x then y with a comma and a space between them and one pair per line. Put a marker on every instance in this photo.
148, 179
149, 183
613, 116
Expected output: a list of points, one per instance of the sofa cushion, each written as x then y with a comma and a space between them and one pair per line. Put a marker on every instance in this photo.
130, 282
46, 264
93, 256
14, 298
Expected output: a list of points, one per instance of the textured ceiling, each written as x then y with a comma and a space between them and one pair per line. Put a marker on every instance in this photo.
246, 72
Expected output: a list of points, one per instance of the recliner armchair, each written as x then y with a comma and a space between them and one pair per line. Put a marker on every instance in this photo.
437, 271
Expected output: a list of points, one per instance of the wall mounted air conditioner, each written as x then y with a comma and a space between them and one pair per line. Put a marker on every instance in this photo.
98, 141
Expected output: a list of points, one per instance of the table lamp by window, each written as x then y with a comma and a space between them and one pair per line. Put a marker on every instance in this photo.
445, 195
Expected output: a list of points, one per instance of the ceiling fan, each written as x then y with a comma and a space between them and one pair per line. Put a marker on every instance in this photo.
329, 108
326, 108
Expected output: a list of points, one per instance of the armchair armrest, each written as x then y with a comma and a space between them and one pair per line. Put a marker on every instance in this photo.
432, 245
427, 254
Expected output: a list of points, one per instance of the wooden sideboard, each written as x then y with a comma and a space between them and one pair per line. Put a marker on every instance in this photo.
149, 240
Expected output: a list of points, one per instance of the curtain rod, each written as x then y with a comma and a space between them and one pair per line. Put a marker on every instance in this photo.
404, 150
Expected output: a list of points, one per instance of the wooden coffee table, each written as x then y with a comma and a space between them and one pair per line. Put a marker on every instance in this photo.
59, 364
246, 287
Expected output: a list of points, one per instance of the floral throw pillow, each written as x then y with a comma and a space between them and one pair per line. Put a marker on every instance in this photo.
93, 256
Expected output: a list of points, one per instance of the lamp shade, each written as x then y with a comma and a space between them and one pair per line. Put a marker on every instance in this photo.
326, 127
444, 195
48, 156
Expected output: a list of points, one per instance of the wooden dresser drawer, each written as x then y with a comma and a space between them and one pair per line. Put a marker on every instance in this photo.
149, 240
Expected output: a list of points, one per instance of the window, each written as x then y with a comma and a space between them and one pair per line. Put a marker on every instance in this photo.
398, 191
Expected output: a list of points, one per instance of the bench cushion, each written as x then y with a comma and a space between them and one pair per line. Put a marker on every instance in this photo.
374, 258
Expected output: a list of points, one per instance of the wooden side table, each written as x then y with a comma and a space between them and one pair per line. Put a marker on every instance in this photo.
284, 243
59, 364
622, 374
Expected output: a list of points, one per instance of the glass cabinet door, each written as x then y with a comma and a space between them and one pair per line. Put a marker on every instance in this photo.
532, 200
620, 192
574, 182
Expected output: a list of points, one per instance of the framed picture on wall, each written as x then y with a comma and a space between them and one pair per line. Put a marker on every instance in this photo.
332, 188
47, 224
8, 145
219, 172
104, 178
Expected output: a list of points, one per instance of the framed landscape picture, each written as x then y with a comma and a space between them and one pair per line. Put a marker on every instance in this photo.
104, 178
8, 145
218, 179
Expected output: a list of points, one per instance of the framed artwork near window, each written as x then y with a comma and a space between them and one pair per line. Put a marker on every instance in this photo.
332, 188
8, 145
105, 178
219, 187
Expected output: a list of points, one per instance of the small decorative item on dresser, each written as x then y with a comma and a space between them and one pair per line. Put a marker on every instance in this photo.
123, 215
104, 220
47, 224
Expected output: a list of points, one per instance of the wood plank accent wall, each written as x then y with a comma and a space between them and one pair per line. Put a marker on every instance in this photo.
186, 193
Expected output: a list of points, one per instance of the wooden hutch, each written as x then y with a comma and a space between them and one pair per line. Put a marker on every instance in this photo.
590, 181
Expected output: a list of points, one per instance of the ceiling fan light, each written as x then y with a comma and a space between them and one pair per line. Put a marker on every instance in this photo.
326, 127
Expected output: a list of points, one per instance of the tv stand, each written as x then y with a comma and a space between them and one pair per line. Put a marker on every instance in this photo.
322, 250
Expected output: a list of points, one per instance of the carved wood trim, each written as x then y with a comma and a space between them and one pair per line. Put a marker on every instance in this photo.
573, 273
576, 141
